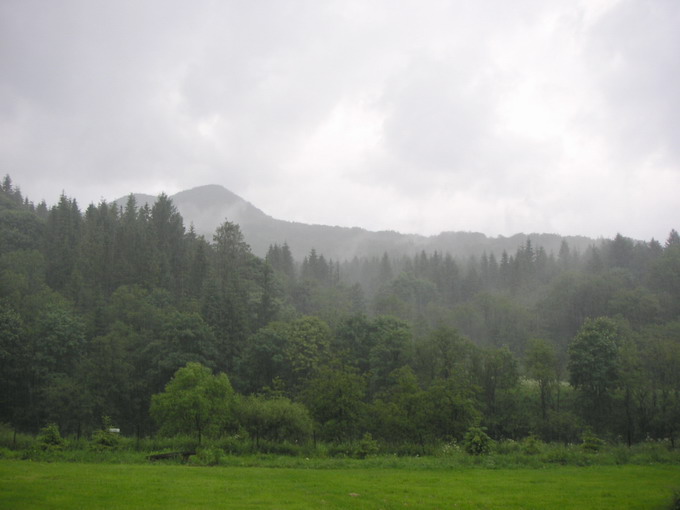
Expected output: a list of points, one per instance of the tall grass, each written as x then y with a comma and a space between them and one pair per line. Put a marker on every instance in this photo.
241, 451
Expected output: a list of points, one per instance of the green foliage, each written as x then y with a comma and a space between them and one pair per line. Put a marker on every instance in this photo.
274, 419
99, 309
307, 348
477, 442
532, 445
194, 401
206, 457
542, 365
105, 438
335, 399
50, 438
590, 442
367, 446
594, 367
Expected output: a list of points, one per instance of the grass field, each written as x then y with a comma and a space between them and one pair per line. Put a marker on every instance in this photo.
26, 484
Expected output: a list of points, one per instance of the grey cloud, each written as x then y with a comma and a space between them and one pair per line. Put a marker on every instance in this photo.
634, 57
103, 98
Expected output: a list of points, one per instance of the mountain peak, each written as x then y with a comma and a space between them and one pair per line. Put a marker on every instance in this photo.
208, 206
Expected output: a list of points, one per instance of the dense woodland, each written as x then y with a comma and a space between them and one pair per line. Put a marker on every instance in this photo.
100, 308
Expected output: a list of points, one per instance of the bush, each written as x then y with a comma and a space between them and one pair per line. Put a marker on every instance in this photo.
477, 442
6, 453
448, 449
508, 447
207, 457
621, 454
367, 446
50, 439
104, 439
234, 445
532, 445
590, 442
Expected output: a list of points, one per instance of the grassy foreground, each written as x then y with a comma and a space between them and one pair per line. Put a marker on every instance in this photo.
26, 484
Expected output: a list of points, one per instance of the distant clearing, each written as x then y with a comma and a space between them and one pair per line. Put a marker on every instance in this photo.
64, 485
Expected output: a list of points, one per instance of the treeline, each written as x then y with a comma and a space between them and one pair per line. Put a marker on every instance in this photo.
98, 310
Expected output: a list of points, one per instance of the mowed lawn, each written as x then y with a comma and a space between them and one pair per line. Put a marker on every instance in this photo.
25, 484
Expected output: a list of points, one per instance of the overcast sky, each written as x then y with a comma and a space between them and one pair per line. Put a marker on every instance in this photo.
420, 116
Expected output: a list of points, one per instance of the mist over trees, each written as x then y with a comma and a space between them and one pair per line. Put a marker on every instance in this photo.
127, 313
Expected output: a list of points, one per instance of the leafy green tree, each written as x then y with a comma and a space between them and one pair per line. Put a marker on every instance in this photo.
498, 377
264, 358
112, 371
307, 349
632, 390
660, 363
181, 338
445, 353
639, 306
399, 414
233, 293
335, 399
67, 401
194, 402
449, 408
353, 340
274, 419
594, 367
15, 359
392, 349
58, 338
406, 296
542, 365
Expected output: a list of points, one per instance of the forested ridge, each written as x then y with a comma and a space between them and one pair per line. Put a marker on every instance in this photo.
110, 313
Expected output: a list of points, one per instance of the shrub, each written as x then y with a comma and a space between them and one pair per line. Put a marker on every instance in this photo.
105, 439
590, 442
621, 454
477, 442
50, 438
508, 447
367, 446
340, 450
532, 445
207, 457
6, 453
449, 449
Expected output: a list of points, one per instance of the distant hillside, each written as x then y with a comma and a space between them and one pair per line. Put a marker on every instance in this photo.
208, 206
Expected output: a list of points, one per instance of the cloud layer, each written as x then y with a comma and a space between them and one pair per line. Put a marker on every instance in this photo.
492, 116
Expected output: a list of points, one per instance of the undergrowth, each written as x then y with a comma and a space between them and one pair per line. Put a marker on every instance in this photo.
236, 450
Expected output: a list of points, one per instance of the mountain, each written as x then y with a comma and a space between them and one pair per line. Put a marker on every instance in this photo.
206, 207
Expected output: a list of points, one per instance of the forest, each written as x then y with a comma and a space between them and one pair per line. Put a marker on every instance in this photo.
119, 315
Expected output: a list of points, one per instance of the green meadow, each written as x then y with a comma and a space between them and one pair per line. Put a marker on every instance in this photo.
62, 485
